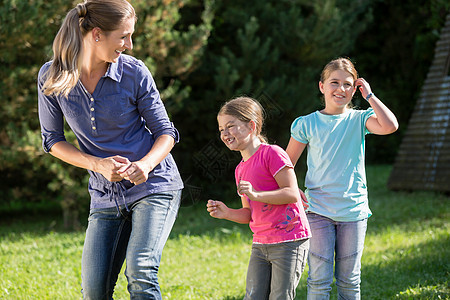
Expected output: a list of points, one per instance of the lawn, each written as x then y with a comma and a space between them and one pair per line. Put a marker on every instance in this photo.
406, 256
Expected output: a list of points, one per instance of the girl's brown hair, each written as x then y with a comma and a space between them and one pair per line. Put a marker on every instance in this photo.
65, 68
246, 109
340, 63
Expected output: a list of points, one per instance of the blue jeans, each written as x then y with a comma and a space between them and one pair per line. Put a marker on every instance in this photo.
274, 270
138, 236
338, 243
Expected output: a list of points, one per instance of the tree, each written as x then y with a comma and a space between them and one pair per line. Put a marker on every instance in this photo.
272, 51
394, 54
168, 44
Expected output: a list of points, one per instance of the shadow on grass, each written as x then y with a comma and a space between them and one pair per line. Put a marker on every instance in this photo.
35, 224
195, 220
422, 265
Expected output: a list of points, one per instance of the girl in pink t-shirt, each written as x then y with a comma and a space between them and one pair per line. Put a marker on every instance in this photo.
271, 203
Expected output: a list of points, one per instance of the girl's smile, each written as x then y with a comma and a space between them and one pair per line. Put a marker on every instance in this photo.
338, 90
233, 132
238, 135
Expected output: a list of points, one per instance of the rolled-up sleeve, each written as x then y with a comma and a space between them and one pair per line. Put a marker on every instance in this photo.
50, 116
152, 108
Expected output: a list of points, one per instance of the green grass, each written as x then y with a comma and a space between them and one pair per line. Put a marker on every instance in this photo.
406, 256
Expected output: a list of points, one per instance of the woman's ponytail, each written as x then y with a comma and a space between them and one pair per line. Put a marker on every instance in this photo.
64, 71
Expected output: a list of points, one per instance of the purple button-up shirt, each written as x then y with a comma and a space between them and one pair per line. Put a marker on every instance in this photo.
123, 116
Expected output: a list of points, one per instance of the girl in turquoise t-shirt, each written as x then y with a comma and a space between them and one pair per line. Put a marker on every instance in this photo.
335, 180
271, 204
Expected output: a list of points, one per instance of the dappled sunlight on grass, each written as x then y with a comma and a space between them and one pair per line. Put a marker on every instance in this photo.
406, 253
393, 261
205, 265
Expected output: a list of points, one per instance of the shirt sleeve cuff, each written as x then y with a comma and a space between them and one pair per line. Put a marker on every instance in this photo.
48, 142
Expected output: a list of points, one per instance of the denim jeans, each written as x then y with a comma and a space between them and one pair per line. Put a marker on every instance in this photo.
340, 244
274, 270
138, 236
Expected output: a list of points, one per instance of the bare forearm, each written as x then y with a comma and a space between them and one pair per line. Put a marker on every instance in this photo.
160, 149
109, 167
278, 197
240, 215
386, 119
72, 155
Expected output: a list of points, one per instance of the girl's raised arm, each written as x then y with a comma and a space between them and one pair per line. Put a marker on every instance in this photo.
385, 121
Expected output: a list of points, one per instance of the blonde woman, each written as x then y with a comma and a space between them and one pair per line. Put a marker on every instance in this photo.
111, 103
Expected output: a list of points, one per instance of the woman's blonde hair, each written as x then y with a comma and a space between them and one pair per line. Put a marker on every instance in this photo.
65, 68
246, 109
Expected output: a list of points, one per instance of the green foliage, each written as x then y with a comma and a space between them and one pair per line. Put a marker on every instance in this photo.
395, 54
202, 53
170, 43
170, 47
25, 39
273, 51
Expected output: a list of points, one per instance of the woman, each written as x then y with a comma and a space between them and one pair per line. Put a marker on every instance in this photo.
111, 103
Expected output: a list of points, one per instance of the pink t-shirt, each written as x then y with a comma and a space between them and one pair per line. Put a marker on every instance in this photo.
271, 224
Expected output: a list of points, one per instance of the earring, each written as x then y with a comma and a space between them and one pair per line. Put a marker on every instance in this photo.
96, 40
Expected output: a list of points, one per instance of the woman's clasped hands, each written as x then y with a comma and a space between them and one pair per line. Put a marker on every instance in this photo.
117, 168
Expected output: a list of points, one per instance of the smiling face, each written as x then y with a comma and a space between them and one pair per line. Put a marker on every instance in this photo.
113, 43
338, 90
236, 134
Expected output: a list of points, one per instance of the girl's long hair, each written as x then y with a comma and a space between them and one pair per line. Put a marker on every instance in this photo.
64, 71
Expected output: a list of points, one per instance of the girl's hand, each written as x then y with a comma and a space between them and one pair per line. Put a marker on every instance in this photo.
110, 167
246, 188
217, 209
364, 87
304, 199
136, 172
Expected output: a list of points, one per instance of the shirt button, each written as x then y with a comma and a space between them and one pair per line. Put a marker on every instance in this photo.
92, 99
92, 119
92, 109
93, 127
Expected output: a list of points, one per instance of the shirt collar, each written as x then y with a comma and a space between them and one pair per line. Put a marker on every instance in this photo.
115, 70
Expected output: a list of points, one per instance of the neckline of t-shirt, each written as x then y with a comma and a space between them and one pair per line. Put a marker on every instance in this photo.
259, 149
338, 116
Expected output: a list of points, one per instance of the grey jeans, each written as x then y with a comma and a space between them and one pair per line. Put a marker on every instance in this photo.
274, 270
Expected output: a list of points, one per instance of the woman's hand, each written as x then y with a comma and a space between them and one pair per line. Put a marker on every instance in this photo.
136, 172
111, 167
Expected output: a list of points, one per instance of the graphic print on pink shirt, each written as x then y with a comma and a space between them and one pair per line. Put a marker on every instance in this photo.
267, 207
289, 223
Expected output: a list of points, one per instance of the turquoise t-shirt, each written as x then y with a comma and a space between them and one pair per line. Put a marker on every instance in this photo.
336, 177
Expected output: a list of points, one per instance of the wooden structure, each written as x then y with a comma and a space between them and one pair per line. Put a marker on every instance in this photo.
423, 160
